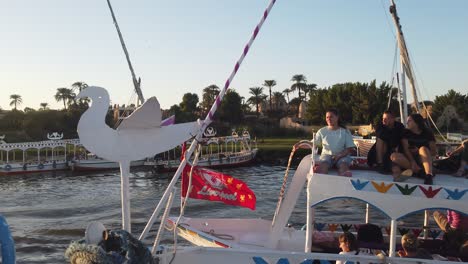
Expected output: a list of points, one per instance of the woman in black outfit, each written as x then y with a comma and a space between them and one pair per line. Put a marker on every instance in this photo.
419, 148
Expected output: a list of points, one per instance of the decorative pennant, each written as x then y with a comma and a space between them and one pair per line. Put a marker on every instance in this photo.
429, 192
382, 187
456, 194
358, 185
345, 227
332, 227
319, 226
406, 190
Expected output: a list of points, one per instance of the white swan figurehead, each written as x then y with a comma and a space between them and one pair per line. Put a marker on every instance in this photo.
139, 136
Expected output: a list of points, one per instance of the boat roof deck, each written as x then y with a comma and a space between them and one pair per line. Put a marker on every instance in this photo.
445, 179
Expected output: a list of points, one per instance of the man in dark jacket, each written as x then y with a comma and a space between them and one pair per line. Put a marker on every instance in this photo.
389, 135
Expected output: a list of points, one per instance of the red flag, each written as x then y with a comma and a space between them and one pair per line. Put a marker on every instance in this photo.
182, 155
215, 186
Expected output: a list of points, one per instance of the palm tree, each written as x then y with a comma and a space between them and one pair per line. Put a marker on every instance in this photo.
257, 97
286, 92
44, 106
209, 96
269, 84
278, 99
80, 86
300, 83
65, 95
15, 100
309, 88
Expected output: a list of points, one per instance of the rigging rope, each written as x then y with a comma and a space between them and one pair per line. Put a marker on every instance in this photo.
136, 83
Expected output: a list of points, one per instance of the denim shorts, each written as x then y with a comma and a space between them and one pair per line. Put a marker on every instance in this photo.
325, 158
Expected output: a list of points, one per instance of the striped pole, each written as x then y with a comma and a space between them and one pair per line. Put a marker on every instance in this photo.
219, 98
206, 122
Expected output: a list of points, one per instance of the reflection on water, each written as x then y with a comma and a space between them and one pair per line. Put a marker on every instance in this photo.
46, 212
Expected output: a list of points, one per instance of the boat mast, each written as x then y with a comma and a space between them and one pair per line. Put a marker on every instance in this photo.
136, 83
404, 59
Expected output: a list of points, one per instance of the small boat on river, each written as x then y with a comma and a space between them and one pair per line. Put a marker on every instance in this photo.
216, 152
49, 155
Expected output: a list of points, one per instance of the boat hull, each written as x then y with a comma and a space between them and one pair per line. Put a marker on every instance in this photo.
234, 160
19, 168
99, 165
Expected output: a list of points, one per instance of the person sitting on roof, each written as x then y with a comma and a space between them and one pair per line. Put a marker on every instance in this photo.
337, 145
349, 246
463, 149
389, 135
419, 147
411, 248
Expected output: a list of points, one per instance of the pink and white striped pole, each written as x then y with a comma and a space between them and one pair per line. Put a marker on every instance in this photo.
206, 122
219, 98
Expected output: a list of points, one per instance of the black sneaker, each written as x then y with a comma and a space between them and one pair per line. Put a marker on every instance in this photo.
428, 179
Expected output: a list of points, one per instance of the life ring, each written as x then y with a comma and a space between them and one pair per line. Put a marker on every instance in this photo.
8, 167
6, 242
40, 166
25, 166
54, 164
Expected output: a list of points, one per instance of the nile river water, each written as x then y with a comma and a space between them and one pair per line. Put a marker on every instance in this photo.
45, 212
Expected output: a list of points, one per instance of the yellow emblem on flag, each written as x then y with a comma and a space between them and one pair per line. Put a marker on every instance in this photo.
250, 197
242, 197
239, 186
229, 180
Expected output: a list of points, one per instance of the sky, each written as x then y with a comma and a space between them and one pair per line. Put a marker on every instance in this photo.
179, 46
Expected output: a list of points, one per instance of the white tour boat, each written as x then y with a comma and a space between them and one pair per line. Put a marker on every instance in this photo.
50, 155
253, 240
217, 152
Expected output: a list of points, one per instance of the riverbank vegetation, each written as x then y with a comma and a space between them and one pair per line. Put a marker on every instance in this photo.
260, 113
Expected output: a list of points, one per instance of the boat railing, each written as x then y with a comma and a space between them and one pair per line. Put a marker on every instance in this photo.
198, 255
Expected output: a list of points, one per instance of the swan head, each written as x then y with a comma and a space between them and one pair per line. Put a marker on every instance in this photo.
98, 95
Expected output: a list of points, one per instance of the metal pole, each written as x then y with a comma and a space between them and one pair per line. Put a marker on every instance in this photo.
208, 119
367, 213
393, 230
163, 221
426, 224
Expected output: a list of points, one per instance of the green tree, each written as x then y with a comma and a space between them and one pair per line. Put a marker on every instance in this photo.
277, 97
16, 100
299, 84
269, 84
286, 92
79, 86
231, 108
458, 100
44, 106
309, 88
209, 95
187, 110
28, 110
66, 95
257, 97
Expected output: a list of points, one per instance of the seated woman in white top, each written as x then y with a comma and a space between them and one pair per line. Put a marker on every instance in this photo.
337, 145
